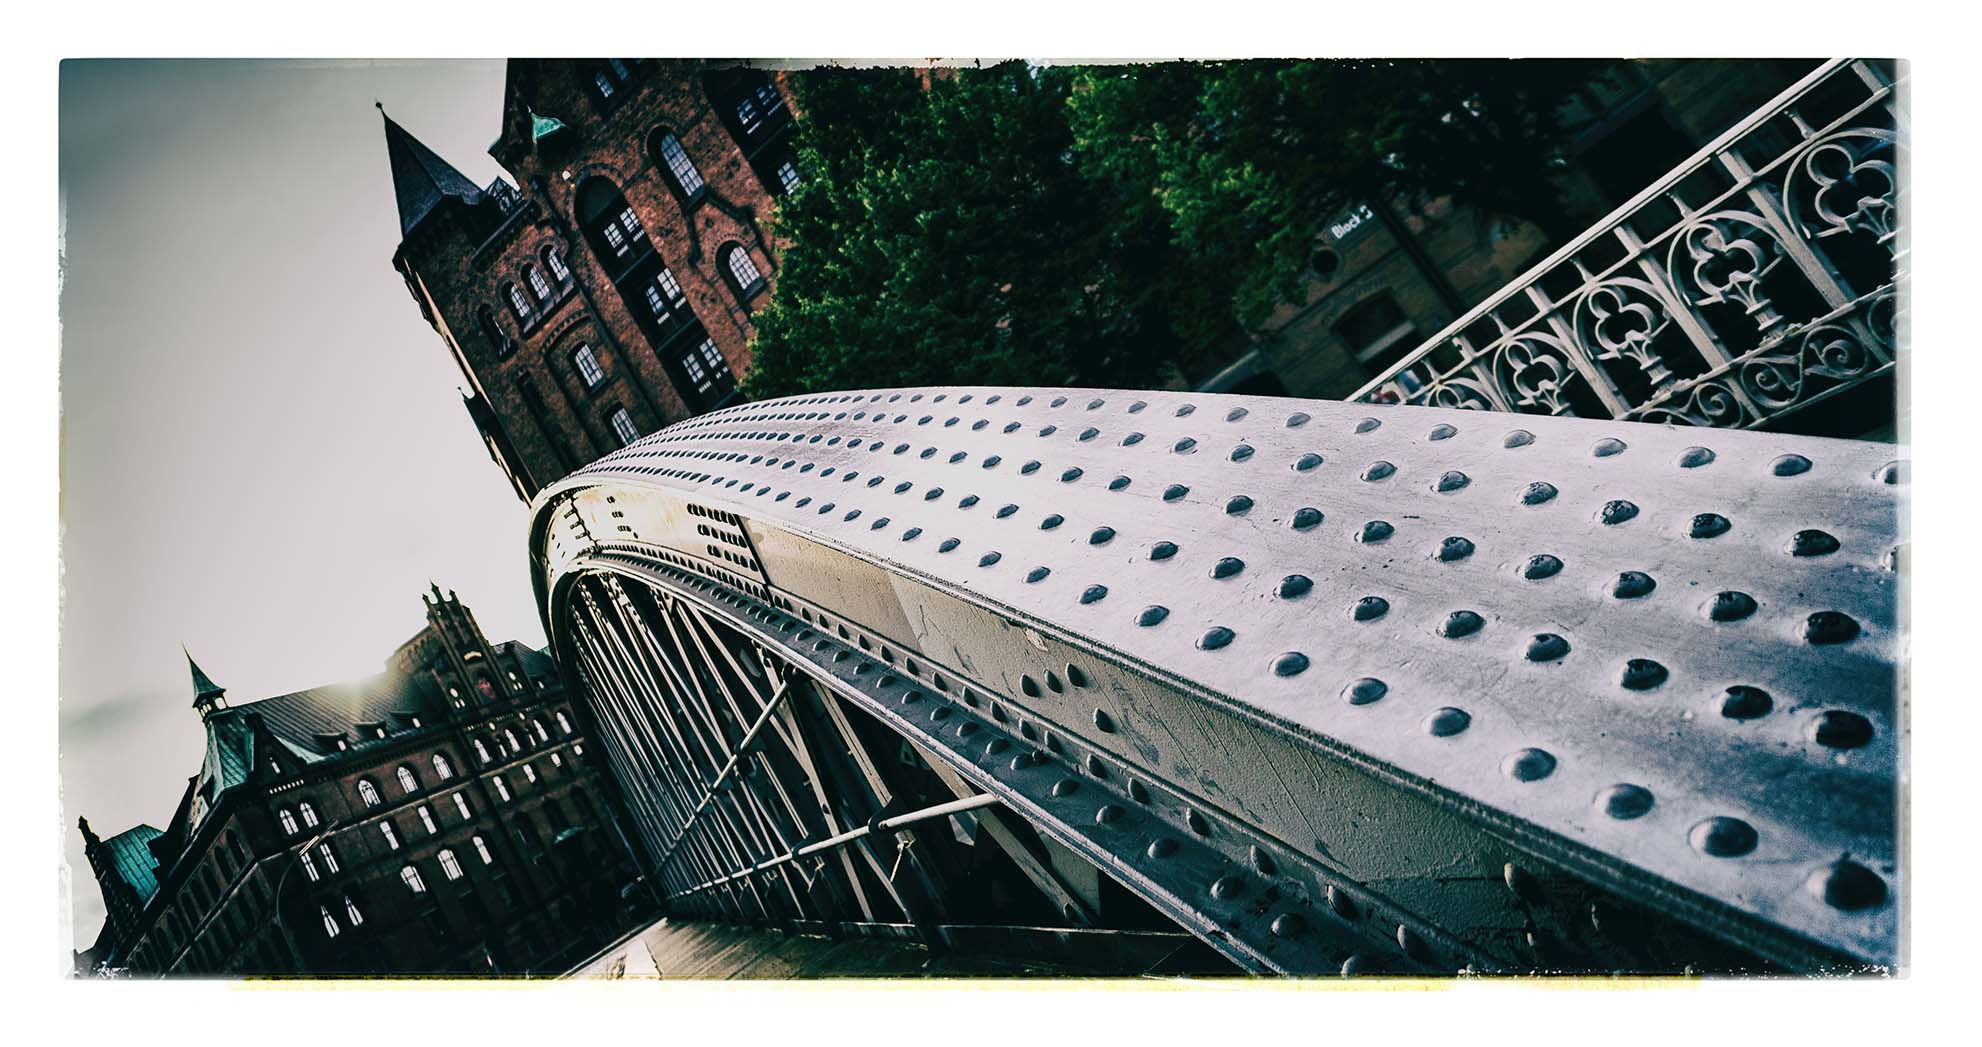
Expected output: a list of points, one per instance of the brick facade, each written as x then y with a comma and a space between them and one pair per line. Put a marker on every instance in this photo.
585, 142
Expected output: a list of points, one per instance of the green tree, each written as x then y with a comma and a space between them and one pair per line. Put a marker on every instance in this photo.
1250, 159
945, 234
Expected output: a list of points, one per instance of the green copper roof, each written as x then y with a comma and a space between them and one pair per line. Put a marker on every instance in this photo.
202, 686
131, 857
542, 127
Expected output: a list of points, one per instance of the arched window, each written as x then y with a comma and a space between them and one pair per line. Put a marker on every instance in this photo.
554, 261
407, 783
668, 152
530, 772
542, 734
588, 366
368, 792
411, 878
557, 759
744, 278
499, 343
517, 303
309, 814
538, 285
351, 911
562, 723
442, 768
391, 837
449, 866
309, 867
502, 788
461, 804
482, 848
609, 223
510, 737
329, 857
329, 922
288, 820
481, 751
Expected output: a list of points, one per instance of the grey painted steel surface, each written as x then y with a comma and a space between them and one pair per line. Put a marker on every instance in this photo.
1428, 688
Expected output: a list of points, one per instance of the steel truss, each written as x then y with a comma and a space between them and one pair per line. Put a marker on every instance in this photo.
829, 720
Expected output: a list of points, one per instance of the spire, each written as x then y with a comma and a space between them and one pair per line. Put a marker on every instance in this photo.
420, 178
207, 695
90, 840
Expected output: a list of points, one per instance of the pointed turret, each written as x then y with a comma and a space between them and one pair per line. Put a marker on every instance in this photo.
207, 695
420, 178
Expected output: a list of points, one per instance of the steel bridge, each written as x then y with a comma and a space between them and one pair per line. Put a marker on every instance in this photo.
1249, 683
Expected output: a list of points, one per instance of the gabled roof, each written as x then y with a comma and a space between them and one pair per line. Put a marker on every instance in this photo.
304, 719
420, 178
131, 857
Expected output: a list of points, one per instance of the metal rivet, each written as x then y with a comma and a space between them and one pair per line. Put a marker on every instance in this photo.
1103, 722
1538, 492
1241, 453
1307, 462
1367, 425
1138, 791
1838, 729
1528, 765
1695, 457
1066, 787
987, 559
1847, 885
1238, 505
1364, 691
1215, 637
1379, 471
1892, 473
1292, 663
1369, 608
1340, 903
911, 534
1288, 925
1742, 702
1196, 822
1642, 674
1052, 520
996, 746
1006, 510
1151, 615
1185, 411
1174, 492
1625, 801
1442, 432
1131, 440
1118, 483
1547, 647
1633, 584
1101, 536
941, 712
1227, 566
1790, 465
1446, 722
1029, 468
1295, 585
1450, 481
1723, 837
1522, 882
1517, 438
1306, 518
1607, 447
1162, 550
1616, 512
1037, 574
949, 544
1812, 543
932, 494
1409, 941
1021, 761
1730, 606
1460, 624
1263, 863
1829, 627
1540, 566
1708, 525
1297, 419
1161, 848
1453, 549
1107, 813
1070, 475
1227, 887
967, 501
1093, 593
1185, 446
1375, 531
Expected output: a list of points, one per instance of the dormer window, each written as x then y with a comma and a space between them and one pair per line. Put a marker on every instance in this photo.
482, 848
449, 865
329, 857
530, 772
461, 805
510, 737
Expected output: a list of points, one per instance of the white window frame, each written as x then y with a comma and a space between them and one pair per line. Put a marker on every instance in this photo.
680, 165
309, 813
408, 783
443, 767
461, 804
288, 820
309, 867
351, 911
427, 819
587, 363
538, 285
329, 857
449, 865
391, 838
743, 270
622, 427
369, 792
482, 848
410, 876
501, 787
555, 262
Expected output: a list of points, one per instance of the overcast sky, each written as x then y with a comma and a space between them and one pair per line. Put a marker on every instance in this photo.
264, 453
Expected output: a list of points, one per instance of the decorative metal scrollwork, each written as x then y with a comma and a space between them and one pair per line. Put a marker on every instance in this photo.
1534, 374
1725, 257
1849, 182
1620, 320
1708, 402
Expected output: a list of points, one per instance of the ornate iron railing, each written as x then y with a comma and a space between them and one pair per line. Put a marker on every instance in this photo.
1760, 277
1329, 686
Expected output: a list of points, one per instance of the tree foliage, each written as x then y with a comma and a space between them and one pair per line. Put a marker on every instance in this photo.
1252, 159
945, 234
1068, 225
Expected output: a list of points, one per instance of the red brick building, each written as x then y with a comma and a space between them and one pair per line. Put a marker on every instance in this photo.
441, 816
607, 291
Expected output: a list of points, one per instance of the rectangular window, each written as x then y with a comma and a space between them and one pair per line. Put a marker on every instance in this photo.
556, 262
615, 239
665, 278
603, 83
683, 169
623, 427
329, 857
540, 287
309, 867
530, 772
427, 819
788, 175
634, 231
713, 356
696, 372
391, 838
502, 788
588, 367
461, 804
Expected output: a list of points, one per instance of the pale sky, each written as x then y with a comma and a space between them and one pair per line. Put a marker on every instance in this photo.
264, 455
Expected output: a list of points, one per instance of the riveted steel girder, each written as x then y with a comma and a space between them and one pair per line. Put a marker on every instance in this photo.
1331, 685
